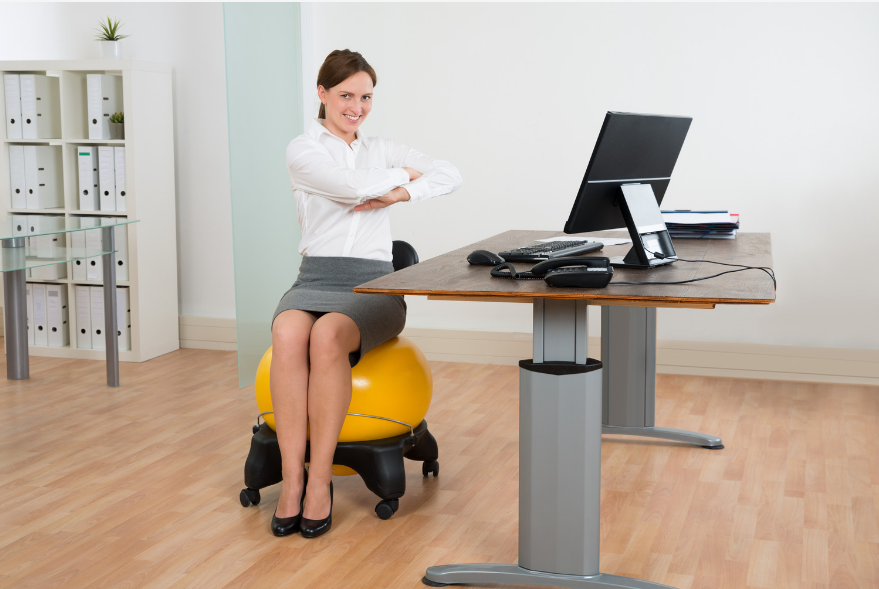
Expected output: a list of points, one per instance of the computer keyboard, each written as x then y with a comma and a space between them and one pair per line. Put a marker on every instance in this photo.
552, 249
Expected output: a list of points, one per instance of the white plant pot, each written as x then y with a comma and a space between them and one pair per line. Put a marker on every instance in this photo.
111, 50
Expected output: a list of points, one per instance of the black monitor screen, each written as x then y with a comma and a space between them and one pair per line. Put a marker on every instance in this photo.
631, 148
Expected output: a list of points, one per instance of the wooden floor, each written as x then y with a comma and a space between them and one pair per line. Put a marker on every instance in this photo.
138, 486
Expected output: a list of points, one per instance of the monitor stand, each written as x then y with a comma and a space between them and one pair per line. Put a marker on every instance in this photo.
646, 228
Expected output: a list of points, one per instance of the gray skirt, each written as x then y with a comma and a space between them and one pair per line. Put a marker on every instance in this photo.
325, 286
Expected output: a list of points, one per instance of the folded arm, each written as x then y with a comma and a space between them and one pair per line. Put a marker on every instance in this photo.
315, 171
437, 176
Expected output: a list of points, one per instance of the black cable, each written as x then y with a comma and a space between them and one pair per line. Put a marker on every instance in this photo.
694, 279
511, 272
769, 271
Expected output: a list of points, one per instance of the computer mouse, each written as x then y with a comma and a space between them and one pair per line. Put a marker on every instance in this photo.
484, 258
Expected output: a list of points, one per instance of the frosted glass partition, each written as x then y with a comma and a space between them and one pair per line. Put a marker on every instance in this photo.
263, 89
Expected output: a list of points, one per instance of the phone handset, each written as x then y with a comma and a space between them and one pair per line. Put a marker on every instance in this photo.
580, 271
541, 268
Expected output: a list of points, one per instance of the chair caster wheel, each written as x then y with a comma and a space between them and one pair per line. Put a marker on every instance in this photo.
255, 429
249, 497
714, 447
385, 509
430, 583
430, 466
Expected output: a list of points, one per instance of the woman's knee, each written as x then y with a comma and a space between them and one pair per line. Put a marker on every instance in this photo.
291, 332
333, 339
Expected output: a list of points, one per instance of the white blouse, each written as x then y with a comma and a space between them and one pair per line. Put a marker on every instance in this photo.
329, 179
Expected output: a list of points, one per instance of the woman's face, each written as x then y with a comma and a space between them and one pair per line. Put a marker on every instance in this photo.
347, 104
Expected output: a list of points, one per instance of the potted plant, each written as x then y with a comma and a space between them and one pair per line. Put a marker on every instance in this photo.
108, 35
117, 125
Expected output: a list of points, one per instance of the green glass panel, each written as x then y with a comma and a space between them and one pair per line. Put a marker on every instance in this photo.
264, 97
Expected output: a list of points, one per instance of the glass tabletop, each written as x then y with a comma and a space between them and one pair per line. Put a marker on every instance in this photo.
22, 258
22, 225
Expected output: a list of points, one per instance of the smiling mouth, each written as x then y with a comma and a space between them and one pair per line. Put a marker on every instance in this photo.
352, 119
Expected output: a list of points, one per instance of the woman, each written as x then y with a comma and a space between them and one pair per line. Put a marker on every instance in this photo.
343, 183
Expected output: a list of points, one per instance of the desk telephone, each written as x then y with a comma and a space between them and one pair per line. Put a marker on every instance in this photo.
578, 272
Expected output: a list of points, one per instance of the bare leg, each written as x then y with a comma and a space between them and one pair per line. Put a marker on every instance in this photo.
333, 337
289, 382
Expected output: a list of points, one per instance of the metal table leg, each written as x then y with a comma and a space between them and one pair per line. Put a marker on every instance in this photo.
111, 333
559, 465
628, 352
15, 310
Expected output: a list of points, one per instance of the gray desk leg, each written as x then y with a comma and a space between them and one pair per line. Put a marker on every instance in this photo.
628, 352
559, 466
15, 311
111, 337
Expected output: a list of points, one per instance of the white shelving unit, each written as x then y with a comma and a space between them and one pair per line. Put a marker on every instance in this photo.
149, 169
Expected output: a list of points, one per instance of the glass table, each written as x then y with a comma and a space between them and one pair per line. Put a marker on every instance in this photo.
16, 257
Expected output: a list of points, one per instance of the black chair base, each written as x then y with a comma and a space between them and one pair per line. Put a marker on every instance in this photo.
378, 462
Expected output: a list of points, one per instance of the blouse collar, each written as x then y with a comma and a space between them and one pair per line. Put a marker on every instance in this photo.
317, 129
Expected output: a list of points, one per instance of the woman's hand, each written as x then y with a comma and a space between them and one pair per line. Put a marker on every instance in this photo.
398, 194
413, 174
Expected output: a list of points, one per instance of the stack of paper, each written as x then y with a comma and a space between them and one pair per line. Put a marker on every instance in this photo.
701, 224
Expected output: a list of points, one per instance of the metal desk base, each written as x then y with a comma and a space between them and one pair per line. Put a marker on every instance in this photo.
510, 574
560, 392
628, 351
15, 309
666, 433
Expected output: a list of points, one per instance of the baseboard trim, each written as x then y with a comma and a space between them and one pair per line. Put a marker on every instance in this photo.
732, 360
208, 345
208, 333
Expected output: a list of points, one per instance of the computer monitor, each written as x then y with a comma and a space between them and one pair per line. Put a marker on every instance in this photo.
633, 159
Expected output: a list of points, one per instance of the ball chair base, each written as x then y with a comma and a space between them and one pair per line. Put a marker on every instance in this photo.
378, 462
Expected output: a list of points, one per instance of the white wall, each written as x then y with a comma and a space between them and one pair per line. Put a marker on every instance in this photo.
784, 100
190, 38
785, 124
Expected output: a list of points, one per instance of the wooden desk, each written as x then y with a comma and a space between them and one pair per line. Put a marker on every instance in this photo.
568, 400
450, 277
628, 326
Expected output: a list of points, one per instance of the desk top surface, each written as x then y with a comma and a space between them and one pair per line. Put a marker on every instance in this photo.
450, 277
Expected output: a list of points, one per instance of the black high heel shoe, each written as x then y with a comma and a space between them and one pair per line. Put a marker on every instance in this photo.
285, 526
312, 528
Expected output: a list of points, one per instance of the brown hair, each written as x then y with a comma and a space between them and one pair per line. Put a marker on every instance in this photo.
338, 67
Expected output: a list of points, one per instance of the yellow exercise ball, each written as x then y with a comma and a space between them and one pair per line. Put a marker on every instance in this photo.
391, 381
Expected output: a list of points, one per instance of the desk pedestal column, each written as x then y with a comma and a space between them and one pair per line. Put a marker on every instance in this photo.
628, 352
559, 465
